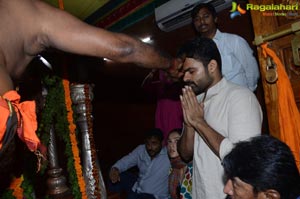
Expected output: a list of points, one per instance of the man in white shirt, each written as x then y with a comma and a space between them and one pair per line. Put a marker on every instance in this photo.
217, 114
239, 64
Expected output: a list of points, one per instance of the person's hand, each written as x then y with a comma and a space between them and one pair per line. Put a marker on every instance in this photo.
175, 70
193, 111
114, 175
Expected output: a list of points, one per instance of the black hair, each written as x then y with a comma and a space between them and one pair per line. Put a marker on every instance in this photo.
154, 132
265, 163
202, 49
208, 6
179, 130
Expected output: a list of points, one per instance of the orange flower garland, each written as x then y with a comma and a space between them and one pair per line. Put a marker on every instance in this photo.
72, 128
16, 187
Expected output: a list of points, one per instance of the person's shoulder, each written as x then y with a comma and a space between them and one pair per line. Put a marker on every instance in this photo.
140, 150
164, 150
240, 96
141, 147
163, 153
237, 90
232, 36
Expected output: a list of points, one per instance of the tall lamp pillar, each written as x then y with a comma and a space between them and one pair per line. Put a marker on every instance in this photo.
56, 181
82, 95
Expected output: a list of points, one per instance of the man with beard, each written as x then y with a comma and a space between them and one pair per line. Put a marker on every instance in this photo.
239, 64
153, 163
217, 114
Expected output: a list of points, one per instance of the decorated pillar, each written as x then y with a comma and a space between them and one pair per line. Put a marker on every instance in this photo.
82, 96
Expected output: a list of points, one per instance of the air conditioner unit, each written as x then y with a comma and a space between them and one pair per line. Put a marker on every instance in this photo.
177, 13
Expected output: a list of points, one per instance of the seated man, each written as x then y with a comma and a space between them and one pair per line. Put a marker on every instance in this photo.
153, 164
263, 167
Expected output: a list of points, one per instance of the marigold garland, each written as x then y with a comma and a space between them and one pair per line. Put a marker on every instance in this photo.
72, 127
16, 187
55, 112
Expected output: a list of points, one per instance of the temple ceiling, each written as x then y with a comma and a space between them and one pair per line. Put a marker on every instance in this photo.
114, 15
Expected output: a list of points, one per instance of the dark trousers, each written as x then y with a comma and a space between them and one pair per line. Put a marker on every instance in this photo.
134, 195
127, 180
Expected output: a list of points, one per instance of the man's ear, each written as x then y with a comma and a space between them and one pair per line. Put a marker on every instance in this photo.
216, 20
212, 66
272, 194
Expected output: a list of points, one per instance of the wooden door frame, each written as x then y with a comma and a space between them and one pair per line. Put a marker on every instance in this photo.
270, 90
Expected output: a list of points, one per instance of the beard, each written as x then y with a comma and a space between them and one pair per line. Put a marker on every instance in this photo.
153, 153
197, 88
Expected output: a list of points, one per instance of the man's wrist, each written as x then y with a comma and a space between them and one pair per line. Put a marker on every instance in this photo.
115, 169
187, 126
